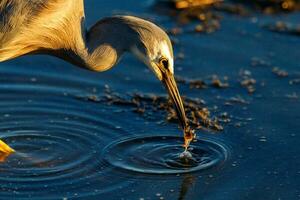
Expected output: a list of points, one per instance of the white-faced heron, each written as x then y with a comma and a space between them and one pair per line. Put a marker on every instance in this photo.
56, 27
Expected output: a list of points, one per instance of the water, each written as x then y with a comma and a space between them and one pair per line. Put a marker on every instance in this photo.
68, 147
163, 155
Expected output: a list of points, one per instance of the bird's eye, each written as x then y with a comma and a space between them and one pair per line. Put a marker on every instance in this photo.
164, 62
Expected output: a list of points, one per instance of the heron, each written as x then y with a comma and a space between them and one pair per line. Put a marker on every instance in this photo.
57, 28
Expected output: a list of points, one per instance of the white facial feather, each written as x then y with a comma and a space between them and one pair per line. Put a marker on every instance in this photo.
151, 60
162, 50
165, 52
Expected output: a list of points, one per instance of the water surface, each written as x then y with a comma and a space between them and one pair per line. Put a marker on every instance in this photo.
72, 148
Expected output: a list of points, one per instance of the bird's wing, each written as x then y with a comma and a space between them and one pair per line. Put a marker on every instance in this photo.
15, 14
22, 20
9, 22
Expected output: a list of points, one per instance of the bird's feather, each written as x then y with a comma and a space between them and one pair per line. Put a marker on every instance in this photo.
30, 25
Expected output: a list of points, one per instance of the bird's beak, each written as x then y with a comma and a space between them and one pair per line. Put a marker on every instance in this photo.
170, 84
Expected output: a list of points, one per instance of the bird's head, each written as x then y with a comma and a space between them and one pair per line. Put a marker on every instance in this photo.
113, 36
154, 49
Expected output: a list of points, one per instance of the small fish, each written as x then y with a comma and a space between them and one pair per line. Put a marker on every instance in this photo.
5, 149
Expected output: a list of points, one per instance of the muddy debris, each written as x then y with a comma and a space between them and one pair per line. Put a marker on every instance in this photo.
218, 83
292, 96
199, 13
197, 84
200, 8
247, 81
233, 8
183, 4
214, 81
198, 115
205, 21
208, 27
284, 27
149, 105
236, 100
270, 6
180, 56
294, 81
259, 62
206, 15
175, 31
280, 72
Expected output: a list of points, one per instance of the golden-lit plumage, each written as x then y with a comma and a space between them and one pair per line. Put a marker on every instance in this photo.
56, 27
37, 25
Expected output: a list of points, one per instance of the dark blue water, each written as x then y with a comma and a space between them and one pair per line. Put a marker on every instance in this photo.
71, 148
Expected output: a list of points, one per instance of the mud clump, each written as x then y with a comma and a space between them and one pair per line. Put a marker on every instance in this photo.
206, 15
198, 116
247, 81
236, 100
280, 72
292, 96
271, 6
182, 4
147, 105
217, 82
294, 81
284, 27
198, 12
259, 62
213, 81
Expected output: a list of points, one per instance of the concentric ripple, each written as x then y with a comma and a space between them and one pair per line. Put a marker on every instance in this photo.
58, 140
61, 143
162, 155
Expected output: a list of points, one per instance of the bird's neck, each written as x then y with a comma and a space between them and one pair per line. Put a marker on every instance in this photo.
99, 58
104, 44
100, 55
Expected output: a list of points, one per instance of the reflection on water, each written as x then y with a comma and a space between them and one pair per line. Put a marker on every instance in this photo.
186, 185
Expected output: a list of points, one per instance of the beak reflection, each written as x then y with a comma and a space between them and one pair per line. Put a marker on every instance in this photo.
171, 86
